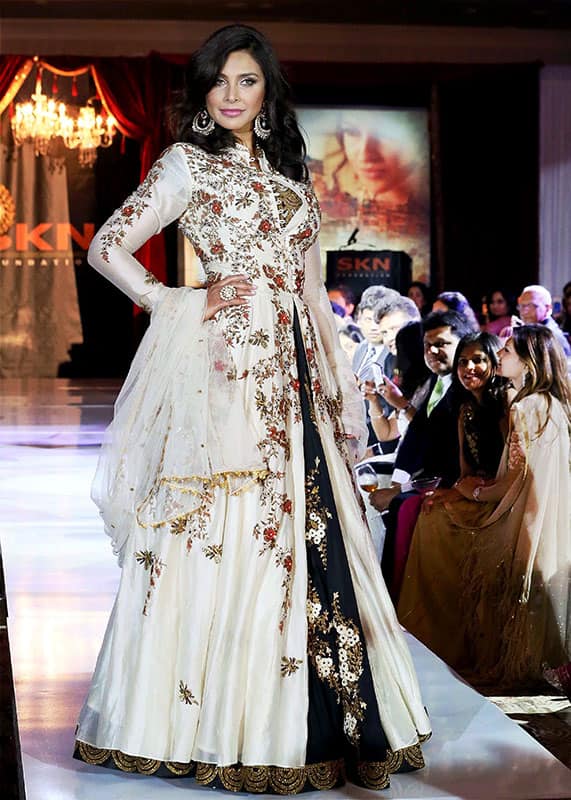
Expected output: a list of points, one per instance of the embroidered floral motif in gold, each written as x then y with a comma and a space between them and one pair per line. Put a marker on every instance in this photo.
288, 202
316, 514
345, 680
290, 666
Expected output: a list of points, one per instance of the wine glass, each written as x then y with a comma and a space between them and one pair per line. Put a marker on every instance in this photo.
367, 478
426, 486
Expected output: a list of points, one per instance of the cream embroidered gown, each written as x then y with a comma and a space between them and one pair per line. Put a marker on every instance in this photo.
252, 643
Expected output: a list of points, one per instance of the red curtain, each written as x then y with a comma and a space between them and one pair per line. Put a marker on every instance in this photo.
137, 92
9, 67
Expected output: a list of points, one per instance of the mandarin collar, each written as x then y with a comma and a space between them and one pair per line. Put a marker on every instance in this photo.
240, 152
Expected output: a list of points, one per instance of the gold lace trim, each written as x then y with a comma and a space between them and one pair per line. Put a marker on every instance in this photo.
209, 482
261, 779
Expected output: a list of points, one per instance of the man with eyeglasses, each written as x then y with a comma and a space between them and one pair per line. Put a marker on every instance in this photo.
535, 307
430, 444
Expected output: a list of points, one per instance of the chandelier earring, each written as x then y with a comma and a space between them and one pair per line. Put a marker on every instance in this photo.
262, 127
203, 123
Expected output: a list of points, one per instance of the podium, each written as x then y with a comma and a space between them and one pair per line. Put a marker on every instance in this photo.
360, 269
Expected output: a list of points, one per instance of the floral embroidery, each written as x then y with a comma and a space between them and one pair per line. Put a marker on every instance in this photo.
316, 514
289, 202
131, 210
259, 338
185, 695
344, 679
213, 552
290, 666
270, 236
150, 562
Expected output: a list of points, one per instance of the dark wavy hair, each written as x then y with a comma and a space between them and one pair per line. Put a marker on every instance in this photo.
490, 345
410, 358
455, 301
546, 365
285, 147
508, 296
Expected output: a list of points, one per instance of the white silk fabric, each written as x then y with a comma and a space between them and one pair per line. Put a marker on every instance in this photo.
201, 484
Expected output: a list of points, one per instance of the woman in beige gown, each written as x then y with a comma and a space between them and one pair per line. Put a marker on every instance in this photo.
487, 579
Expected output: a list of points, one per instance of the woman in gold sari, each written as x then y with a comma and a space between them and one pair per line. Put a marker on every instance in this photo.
487, 579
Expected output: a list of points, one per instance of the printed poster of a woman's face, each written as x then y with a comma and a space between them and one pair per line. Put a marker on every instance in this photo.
371, 171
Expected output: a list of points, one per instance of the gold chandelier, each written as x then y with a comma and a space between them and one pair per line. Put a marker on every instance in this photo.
42, 119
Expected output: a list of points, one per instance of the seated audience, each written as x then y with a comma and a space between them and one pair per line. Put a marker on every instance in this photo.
487, 579
343, 296
480, 434
455, 301
350, 337
535, 307
430, 445
392, 313
564, 316
501, 305
371, 350
422, 296
408, 389
338, 314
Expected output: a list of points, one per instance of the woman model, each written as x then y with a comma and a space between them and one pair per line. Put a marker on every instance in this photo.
236, 651
487, 578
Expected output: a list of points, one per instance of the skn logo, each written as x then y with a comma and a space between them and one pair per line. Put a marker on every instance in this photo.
47, 237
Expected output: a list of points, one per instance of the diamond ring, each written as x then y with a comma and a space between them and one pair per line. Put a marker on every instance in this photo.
228, 292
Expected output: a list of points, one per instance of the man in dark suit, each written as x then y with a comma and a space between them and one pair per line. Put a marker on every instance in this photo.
430, 444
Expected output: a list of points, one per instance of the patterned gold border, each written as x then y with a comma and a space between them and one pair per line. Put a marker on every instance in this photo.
7, 209
261, 779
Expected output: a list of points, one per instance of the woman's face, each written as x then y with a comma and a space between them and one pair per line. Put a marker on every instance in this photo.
377, 152
510, 364
498, 305
238, 94
416, 295
474, 368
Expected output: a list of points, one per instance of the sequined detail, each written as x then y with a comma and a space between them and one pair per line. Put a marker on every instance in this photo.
316, 514
288, 202
342, 678
289, 666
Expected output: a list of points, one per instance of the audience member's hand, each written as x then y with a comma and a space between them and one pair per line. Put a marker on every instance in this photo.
381, 498
368, 390
467, 485
391, 393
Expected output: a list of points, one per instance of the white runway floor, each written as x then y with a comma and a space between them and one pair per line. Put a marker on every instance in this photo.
61, 578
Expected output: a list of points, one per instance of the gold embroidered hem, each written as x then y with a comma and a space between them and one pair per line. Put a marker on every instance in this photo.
259, 779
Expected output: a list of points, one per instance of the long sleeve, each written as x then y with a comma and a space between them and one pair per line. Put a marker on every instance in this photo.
160, 199
315, 295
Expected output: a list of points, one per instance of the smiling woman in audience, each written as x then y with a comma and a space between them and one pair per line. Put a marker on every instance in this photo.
487, 579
